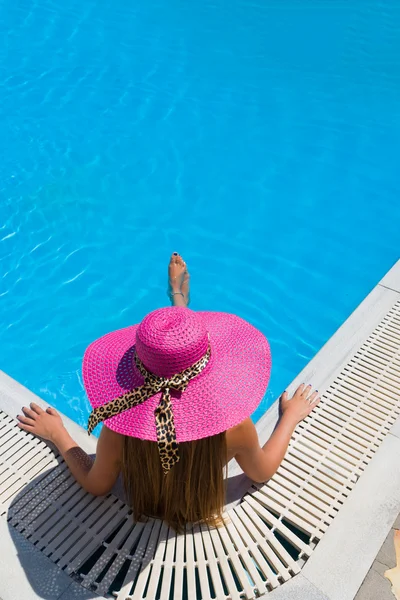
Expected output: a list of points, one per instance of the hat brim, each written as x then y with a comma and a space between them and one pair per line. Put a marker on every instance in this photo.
228, 390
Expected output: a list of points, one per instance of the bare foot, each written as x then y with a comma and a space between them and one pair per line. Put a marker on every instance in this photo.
178, 279
185, 288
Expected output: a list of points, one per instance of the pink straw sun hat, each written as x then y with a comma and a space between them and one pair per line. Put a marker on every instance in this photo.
233, 368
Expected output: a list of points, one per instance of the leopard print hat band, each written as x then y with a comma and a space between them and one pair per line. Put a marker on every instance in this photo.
166, 436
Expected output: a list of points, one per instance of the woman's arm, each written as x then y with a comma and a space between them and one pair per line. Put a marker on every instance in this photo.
95, 476
258, 463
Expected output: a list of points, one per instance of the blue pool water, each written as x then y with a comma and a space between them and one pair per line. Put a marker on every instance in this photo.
258, 138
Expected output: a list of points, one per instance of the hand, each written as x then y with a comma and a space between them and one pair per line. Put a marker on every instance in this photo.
302, 403
47, 424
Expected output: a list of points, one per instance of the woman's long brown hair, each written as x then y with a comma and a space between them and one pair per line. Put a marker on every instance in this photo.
193, 490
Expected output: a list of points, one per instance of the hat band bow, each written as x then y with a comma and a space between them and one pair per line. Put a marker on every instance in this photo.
165, 427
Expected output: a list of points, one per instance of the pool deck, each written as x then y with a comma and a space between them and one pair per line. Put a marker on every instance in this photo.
357, 548
375, 585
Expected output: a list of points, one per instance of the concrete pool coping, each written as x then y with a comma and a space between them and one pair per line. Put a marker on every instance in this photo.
335, 570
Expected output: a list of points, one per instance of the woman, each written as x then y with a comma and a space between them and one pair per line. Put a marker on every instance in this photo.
176, 393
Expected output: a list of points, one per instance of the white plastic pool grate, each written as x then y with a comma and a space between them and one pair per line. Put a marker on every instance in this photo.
267, 538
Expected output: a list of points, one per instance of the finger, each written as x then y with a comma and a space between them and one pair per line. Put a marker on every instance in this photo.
284, 400
29, 413
25, 427
26, 420
306, 391
300, 389
314, 403
35, 407
313, 396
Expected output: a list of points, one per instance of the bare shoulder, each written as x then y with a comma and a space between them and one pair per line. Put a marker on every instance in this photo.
111, 439
242, 436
